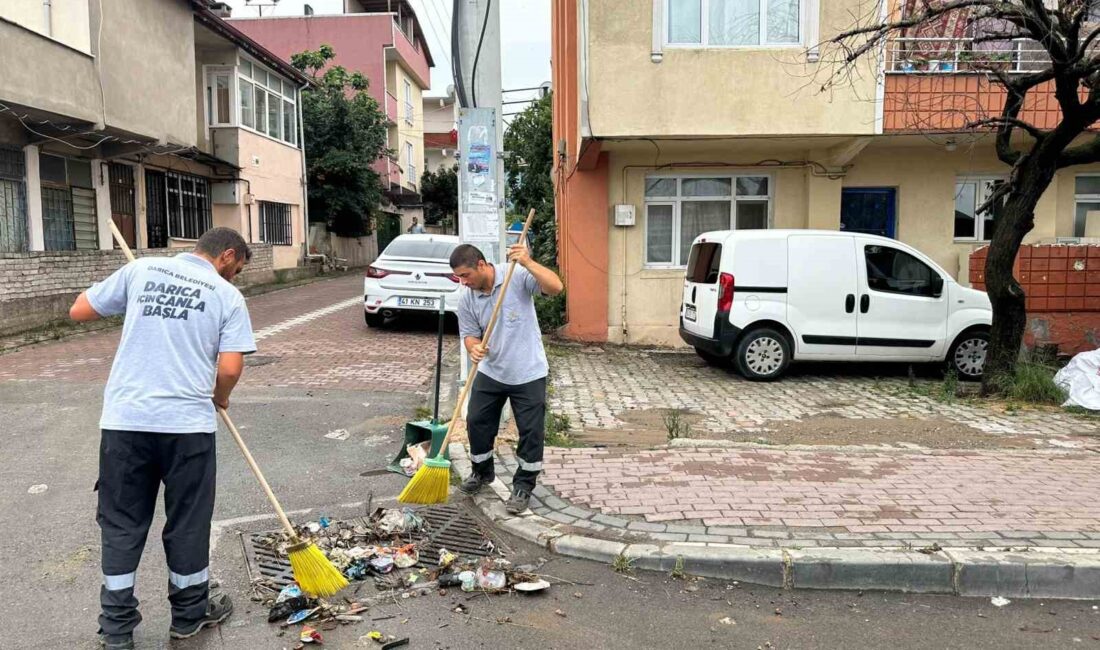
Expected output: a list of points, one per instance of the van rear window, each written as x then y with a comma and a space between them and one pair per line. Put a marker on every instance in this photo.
703, 263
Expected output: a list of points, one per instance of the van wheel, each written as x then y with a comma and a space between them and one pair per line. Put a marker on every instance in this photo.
374, 320
763, 355
967, 355
712, 359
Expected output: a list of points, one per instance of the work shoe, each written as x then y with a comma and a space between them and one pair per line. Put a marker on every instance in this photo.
473, 484
217, 610
116, 641
518, 502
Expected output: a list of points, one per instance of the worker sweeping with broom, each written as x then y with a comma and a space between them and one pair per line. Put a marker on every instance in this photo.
182, 351
511, 368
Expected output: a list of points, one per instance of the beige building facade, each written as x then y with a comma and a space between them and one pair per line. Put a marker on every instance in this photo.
694, 117
152, 113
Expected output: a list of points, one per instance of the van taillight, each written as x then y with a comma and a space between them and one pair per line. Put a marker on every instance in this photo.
725, 292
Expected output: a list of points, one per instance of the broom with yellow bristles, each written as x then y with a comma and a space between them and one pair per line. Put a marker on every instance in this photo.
432, 482
312, 570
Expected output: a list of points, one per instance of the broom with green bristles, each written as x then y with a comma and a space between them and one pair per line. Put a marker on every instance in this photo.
432, 482
312, 570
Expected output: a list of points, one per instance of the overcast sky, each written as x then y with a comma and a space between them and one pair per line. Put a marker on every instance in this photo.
524, 27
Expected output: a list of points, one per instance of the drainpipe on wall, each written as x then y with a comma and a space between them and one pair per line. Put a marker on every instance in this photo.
47, 11
305, 186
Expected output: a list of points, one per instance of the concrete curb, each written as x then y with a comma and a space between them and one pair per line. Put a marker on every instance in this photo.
1036, 573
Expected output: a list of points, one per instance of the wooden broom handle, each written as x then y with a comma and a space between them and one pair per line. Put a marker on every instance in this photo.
485, 339
120, 240
259, 475
225, 418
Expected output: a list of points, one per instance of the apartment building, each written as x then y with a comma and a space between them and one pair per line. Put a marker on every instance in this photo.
383, 40
153, 113
682, 116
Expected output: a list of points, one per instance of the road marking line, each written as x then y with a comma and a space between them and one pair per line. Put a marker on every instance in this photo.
272, 330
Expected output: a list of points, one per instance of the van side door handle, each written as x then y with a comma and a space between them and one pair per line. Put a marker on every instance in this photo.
864, 303
693, 290
850, 303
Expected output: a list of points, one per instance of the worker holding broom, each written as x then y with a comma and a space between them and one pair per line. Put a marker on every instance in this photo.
184, 338
514, 369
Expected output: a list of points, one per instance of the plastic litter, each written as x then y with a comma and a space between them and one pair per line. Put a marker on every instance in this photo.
374, 635
324, 522
446, 558
399, 521
280, 611
406, 556
301, 615
491, 579
999, 601
310, 635
288, 592
469, 580
531, 587
1081, 380
37, 489
382, 564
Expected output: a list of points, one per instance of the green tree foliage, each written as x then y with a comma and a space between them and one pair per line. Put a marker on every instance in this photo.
529, 166
345, 133
439, 191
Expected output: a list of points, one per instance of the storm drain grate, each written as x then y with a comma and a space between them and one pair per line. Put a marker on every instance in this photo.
446, 526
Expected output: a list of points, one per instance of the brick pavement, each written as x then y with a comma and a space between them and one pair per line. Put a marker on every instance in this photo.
594, 386
311, 336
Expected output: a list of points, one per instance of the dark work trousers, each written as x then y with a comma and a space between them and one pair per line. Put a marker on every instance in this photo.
132, 465
487, 397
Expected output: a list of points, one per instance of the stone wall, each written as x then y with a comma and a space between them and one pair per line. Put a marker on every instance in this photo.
1062, 283
37, 288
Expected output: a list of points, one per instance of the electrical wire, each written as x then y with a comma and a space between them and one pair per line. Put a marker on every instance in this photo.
477, 53
456, 58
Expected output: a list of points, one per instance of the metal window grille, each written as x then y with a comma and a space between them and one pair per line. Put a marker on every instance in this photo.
123, 203
275, 223
156, 209
57, 219
188, 200
13, 202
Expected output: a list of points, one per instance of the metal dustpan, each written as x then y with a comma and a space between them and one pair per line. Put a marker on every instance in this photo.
422, 430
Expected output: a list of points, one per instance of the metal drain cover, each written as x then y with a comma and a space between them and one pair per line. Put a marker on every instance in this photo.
446, 526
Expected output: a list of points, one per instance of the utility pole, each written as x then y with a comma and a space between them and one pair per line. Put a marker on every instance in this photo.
481, 190
475, 50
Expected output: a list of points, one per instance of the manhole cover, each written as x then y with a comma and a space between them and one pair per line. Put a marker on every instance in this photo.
258, 360
445, 526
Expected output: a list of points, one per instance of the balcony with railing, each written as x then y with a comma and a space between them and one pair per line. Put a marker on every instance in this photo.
946, 84
964, 55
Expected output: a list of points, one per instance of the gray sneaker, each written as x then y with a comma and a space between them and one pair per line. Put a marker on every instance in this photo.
217, 610
116, 641
517, 503
473, 484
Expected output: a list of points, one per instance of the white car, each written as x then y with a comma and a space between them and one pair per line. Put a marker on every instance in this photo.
762, 298
412, 275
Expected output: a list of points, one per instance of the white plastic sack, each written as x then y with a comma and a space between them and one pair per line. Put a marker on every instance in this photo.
1081, 380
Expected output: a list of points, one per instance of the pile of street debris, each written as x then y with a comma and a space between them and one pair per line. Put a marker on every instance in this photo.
388, 548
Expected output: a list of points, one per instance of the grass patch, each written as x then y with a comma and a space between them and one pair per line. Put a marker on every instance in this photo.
456, 480
675, 425
677, 572
622, 564
1032, 383
422, 413
557, 431
1083, 412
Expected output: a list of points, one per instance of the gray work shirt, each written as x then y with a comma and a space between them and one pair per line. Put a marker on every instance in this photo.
515, 355
180, 314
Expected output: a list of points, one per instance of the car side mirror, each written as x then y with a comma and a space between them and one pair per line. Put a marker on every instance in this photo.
937, 286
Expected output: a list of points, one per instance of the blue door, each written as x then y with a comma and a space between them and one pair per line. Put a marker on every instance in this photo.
869, 210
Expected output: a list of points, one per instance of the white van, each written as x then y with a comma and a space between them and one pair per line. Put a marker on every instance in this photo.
764, 298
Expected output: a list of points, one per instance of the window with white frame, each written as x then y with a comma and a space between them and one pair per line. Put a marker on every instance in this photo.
265, 102
734, 23
679, 209
971, 193
408, 102
410, 164
1086, 195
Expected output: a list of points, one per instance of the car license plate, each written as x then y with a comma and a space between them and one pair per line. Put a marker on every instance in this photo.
689, 313
416, 302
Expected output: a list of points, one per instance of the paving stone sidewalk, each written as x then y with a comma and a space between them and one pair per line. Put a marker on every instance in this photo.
595, 386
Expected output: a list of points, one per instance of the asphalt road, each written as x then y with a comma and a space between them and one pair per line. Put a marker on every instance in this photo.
49, 589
